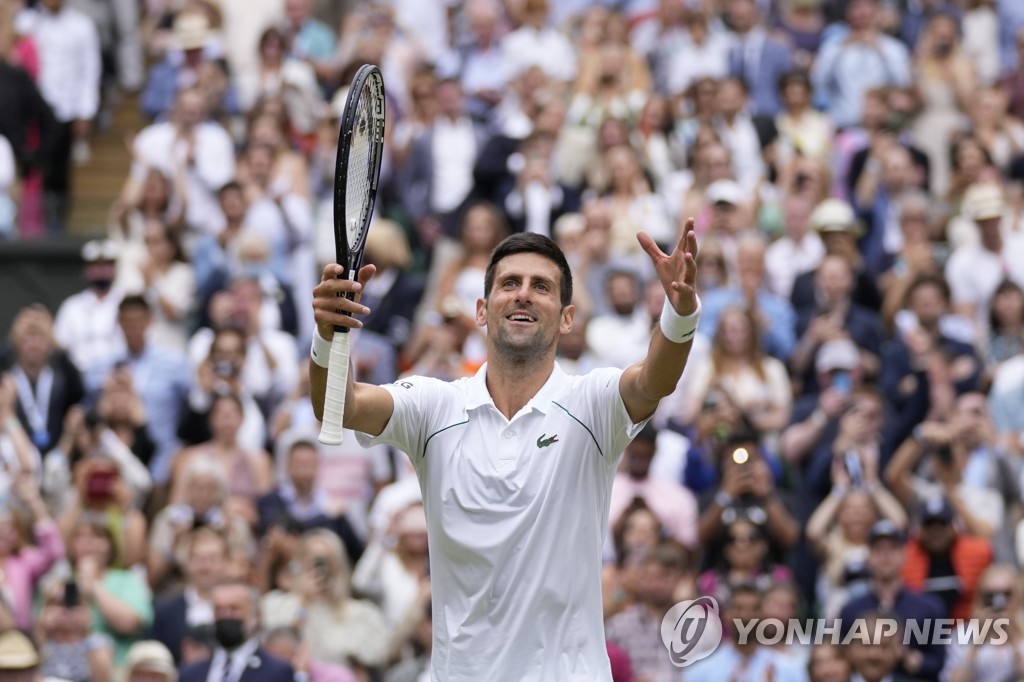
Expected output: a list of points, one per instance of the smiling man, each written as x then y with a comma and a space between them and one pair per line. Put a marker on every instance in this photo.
516, 463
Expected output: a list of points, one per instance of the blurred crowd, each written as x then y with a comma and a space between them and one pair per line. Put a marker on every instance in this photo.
847, 440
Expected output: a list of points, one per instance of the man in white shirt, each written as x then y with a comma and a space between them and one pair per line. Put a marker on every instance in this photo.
535, 43
975, 270
796, 252
516, 463
69, 79
188, 143
86, 323
617, 338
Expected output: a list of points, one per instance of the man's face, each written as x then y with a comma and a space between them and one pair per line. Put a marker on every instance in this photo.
232, 601
972, 420
191, 109
937, 536
860, 14
303, 463
744, 607
731, 98
297, 11
742, 14
660, 582
874, 660
205, 563
622, 294
134, 323
835, 280
885, 558
524, 314
639, 454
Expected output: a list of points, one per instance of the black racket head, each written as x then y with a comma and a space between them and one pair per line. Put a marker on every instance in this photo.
357, 170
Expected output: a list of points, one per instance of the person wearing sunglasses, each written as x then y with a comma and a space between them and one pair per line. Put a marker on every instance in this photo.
997, 597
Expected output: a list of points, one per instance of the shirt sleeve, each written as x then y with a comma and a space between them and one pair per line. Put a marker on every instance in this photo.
601, 410
417, 400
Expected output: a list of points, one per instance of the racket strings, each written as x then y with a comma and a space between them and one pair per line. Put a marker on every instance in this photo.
360, 164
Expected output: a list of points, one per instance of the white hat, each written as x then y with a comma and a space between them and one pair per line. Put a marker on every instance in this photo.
725, 191
835, 215
151, 656
837, 354
191, 31
100, 251
984, 201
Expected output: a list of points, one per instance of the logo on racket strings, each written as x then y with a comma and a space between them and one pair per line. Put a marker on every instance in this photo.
691, 630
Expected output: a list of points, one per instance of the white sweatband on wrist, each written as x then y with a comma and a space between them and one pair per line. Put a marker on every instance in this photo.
679, 328
321, 350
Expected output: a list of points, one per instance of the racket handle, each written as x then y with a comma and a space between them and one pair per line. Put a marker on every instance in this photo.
332, 429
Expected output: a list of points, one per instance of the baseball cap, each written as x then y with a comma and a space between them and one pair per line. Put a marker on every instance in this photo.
100, 251
937, 509
151, 656
725, 192
984, 201
837, 354
835, 215
885, 530
17, 651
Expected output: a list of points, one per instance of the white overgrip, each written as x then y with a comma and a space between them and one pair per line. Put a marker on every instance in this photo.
332, 429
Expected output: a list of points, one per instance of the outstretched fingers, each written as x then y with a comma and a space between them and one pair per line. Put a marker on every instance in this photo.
650, 247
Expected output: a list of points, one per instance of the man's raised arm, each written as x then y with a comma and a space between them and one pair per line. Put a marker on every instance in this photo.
368, 408
644, 384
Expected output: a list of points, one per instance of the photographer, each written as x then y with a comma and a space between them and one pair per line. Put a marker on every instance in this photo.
958, 460
204, 494
838, 529
338, 628
747, 489
220, 373
68, 648
103, 488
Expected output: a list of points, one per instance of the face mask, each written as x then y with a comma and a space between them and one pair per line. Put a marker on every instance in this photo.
253, 270
101, 284
229, 632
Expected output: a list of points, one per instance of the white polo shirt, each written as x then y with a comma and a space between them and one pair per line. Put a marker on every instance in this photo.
517, 513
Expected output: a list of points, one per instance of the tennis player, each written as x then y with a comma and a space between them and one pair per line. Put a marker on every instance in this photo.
516, 463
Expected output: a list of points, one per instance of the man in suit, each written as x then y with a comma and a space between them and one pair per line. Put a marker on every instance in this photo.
207, 552
439, 171
238, 656
756, 58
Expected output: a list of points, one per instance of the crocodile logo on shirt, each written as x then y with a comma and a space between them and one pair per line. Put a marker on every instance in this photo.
543, 442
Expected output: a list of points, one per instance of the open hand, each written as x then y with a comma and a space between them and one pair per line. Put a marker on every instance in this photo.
677, 272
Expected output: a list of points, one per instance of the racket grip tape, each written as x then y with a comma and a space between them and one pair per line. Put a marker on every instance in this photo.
332, 428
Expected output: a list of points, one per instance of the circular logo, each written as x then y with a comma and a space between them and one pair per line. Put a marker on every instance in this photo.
691, 630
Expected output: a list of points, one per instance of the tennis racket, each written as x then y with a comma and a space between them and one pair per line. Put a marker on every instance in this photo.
360, 147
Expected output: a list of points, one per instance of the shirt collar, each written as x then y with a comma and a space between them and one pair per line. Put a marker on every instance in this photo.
479, 395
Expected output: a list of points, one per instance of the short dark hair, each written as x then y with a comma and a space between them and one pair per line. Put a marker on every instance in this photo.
133, 302
531, 242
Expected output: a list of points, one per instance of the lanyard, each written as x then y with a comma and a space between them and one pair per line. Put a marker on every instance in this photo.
35, 403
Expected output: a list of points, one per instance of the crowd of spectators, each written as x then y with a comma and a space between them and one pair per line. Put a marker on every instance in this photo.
847, 440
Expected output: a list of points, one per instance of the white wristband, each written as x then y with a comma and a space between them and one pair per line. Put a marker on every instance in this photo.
679, 328
321, 350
